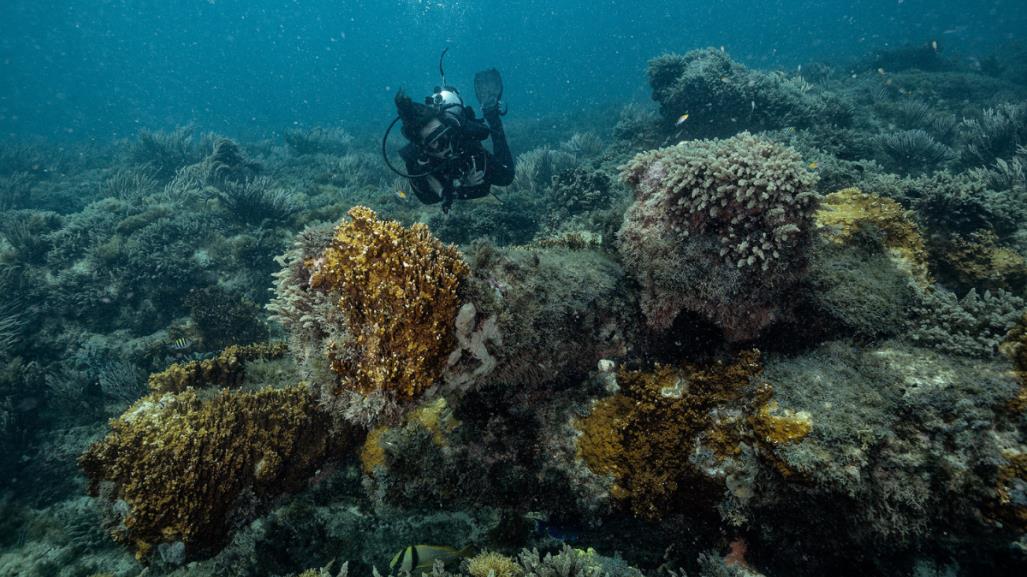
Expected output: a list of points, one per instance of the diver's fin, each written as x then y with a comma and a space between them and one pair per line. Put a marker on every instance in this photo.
488, 87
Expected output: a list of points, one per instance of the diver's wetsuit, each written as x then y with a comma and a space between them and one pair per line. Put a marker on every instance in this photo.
444, 183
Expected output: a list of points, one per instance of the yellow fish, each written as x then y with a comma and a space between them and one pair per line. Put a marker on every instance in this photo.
422, 557
813, 165
402, 194
681, 119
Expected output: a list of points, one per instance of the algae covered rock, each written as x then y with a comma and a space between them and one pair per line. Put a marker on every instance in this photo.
182, 468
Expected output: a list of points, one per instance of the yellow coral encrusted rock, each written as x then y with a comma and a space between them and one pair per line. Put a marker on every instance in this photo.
844, 213
977, 260
181, 464
225, 370
642, 437
492, 564
398, 289
434, 416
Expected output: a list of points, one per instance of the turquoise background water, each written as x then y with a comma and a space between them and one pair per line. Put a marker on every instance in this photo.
107, 68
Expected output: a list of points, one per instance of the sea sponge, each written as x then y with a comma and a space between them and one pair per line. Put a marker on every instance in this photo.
371, 310
182, 468
398, 289
225, 370
644, 435
718, 227
845, 213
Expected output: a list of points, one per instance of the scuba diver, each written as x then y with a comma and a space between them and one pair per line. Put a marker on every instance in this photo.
445, 158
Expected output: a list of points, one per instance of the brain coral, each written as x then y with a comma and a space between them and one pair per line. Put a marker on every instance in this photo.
182, 468
372, 312
718, 227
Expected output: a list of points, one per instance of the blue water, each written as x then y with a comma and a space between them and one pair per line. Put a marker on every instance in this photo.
103, 69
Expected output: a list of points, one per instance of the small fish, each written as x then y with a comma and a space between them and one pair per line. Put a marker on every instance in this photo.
812, 165
180, 344
401, 194
934, 45
681, 119
422, 557
881, 71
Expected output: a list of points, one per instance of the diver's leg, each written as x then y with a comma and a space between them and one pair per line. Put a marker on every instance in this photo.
502, 174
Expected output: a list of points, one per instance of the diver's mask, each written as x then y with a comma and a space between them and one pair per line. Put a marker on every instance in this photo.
438, 138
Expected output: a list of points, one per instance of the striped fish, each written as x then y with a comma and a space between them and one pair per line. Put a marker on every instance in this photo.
422, 557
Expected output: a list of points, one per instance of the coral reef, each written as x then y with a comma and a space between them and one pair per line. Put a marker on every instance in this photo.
907, 448
570, 303
222, 318
226, 370
723, 97
718, 227
180, 468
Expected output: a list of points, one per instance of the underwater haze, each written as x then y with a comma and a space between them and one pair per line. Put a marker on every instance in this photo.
513, 288
97, 69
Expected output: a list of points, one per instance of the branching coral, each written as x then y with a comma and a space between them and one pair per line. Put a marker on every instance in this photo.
257, 200
845, 213
178, 467
643, 436
165, 152
578, 190
973, 326
225, 370
719, 227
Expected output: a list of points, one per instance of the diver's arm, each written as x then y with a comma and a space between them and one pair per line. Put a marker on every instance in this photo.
501, 170
428, 189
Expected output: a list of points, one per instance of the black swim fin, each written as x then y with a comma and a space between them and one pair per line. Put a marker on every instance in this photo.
488, 87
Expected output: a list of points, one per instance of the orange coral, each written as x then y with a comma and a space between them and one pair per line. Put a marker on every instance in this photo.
182, 463
846, 212
398, 290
